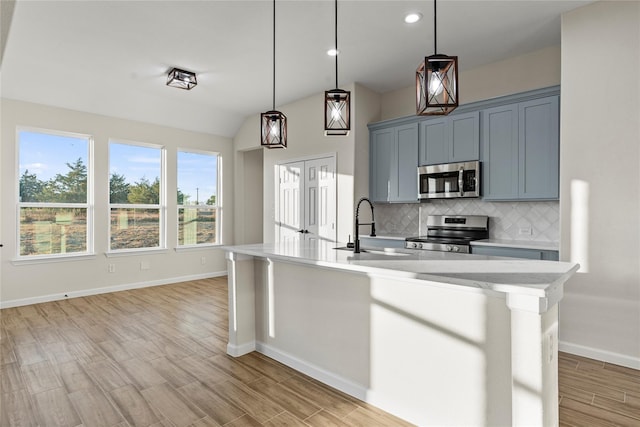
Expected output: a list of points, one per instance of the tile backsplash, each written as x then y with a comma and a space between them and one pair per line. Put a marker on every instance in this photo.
507, 220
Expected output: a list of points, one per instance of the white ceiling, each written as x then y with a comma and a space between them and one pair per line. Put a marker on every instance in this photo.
111, 57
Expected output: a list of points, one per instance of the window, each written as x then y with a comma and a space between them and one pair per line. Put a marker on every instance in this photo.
136, 201
199, 210
54, 193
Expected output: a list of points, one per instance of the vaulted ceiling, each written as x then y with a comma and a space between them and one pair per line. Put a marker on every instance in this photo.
111, 57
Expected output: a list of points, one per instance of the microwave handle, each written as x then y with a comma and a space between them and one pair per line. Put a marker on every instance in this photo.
461, 181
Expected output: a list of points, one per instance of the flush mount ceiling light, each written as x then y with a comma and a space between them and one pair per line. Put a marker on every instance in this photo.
273, 124
337, 102
437, 81
181, 79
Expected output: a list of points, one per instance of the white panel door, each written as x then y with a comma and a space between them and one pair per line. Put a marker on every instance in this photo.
320, 199
307, 200
290, 201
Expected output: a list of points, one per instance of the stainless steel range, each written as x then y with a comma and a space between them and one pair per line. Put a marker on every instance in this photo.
451, 233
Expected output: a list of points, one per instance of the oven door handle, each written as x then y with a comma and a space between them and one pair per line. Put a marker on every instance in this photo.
461, 181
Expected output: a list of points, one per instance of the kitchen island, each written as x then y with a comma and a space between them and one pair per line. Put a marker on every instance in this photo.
435, 338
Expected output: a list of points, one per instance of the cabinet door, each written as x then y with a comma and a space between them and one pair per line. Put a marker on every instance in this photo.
464, 137
433, 142
500, 153
539, 147
405, 181
515, 252
382, 152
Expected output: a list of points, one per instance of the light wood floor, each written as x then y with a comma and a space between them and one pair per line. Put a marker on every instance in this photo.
156, 357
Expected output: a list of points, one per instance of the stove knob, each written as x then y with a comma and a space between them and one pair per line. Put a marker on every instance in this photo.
449, 248
455, 249
419, 245
414, 245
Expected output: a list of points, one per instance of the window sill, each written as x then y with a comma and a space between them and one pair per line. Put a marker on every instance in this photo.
200, 247
134, 252
51, 259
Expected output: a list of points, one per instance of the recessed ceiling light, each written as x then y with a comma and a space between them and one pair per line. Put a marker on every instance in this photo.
333, 52
413, 17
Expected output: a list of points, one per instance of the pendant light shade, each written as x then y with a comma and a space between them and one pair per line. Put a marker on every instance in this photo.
273, 127
337, 115
337, 102
437, 81
273, 124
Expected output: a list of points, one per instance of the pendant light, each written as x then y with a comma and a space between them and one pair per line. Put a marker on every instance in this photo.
273, 124
337, 102
437, 81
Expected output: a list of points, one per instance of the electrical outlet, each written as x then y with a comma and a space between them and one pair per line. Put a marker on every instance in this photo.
203, 260
525, 231
145, 265
112, 268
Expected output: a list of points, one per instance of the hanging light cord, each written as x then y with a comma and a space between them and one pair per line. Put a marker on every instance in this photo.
336, 36
274, 55
435, 29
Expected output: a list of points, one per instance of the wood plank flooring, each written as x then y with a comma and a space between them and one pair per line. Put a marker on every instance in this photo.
595, 393
157, 357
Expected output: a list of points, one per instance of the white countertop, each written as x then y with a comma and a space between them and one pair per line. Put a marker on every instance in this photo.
518, 244
503, 275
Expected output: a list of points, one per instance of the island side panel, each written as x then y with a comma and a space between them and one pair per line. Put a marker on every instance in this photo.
241, 282
414, 349
316, 319
535, 366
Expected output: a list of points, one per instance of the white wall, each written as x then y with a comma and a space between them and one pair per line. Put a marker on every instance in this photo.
248, 191
521, 73
600, 181
42, 281
305, 131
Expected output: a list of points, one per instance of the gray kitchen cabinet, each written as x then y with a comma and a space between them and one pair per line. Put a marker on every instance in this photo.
382, 155
450, 139
515, 252
393, 164
520, 150
381, 242
500, 153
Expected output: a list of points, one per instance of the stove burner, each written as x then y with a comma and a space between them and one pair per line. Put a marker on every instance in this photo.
451, 233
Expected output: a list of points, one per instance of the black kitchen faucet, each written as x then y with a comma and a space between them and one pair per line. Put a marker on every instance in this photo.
356, 241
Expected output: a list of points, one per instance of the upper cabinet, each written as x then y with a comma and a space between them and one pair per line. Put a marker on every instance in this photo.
516, 138
450, 139
520, 150
393, 164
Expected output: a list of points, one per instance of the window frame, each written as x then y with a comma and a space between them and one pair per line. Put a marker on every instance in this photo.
88, 205
217, 208
162, 200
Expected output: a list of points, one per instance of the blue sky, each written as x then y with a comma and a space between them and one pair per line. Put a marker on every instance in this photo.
46, 155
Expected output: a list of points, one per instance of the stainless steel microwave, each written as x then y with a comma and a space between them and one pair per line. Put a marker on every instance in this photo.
449, 180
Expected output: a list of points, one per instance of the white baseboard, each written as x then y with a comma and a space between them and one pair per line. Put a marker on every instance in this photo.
241, 350
602, 355
349, 387
107, 289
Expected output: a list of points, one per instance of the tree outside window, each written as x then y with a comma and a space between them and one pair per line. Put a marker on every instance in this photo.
199, 210
135, 196
53, 193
